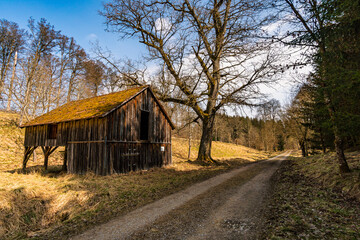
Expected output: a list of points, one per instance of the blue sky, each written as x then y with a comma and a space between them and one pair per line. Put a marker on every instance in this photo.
80, 19
75, 18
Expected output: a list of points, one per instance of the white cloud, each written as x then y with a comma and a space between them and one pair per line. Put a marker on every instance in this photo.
92, 37
163, 26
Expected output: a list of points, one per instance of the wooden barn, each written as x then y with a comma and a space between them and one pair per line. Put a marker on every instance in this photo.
114, 133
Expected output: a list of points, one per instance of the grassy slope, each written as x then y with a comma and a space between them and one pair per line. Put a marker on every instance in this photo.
50, 205
11, 138
11, 145
311, 200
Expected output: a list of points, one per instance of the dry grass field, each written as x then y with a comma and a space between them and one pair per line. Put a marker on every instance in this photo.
54, 205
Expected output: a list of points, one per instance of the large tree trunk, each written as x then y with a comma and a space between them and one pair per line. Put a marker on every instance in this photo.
338, 142
323, 147
339, 148
303, 148
204, 154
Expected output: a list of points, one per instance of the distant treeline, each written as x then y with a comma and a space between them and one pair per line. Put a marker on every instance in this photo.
267, 131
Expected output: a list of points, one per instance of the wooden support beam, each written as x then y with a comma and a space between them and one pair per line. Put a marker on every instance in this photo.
27, 153
47, 150
51, 151
64, 167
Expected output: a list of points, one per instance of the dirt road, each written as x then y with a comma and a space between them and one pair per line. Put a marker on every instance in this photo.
228, 206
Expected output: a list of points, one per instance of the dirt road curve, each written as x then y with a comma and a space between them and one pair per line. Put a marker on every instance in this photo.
228, 206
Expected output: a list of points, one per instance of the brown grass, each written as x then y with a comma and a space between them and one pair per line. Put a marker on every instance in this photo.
311, 200
54, 205
225, 153
324, 169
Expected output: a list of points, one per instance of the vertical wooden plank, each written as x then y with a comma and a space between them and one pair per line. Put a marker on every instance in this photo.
84, 129
107, 164
122, 124
136, 121
95, 127
78, 132
37, 135
41, 133
26, 139
58, 135
170, 162
113, 127
131, 120
128, 123
151, 122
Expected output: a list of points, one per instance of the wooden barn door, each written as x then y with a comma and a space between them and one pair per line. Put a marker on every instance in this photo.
126, 157
133, 157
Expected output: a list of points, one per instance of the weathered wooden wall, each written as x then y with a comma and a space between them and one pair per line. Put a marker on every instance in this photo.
78, 130
112, 143
126, 150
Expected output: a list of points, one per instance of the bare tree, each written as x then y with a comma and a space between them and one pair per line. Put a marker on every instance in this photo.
11, 85
94, 75
43, 38
297, 120
122, 73
48, 68
11, 41
76, 68
208, 49
269, 113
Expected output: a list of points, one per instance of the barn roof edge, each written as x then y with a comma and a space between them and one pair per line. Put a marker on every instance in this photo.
104, 114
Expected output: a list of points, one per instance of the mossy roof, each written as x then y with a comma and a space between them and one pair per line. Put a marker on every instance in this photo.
87, 108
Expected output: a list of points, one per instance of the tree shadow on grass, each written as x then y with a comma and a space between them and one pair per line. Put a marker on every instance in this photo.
52, 171
82, 201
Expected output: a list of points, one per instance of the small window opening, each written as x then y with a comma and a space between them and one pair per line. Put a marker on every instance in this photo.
144, 125
52, 131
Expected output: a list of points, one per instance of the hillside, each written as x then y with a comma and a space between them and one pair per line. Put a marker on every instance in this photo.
41, 203
11, 139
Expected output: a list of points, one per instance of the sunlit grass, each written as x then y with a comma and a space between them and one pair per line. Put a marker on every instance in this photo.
220, 151
52, 204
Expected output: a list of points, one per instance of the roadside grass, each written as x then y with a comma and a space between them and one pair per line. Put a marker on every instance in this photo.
227, 154
324, 169
54, 205
310, 200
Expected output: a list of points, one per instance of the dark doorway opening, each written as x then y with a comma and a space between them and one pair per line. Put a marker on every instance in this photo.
52, 131
144, 125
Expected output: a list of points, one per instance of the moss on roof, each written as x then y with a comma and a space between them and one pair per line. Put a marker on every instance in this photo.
85, 108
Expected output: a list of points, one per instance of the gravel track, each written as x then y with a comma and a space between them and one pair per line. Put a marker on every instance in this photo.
228, 206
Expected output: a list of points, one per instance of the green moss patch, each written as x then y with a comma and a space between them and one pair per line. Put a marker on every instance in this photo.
85, 108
